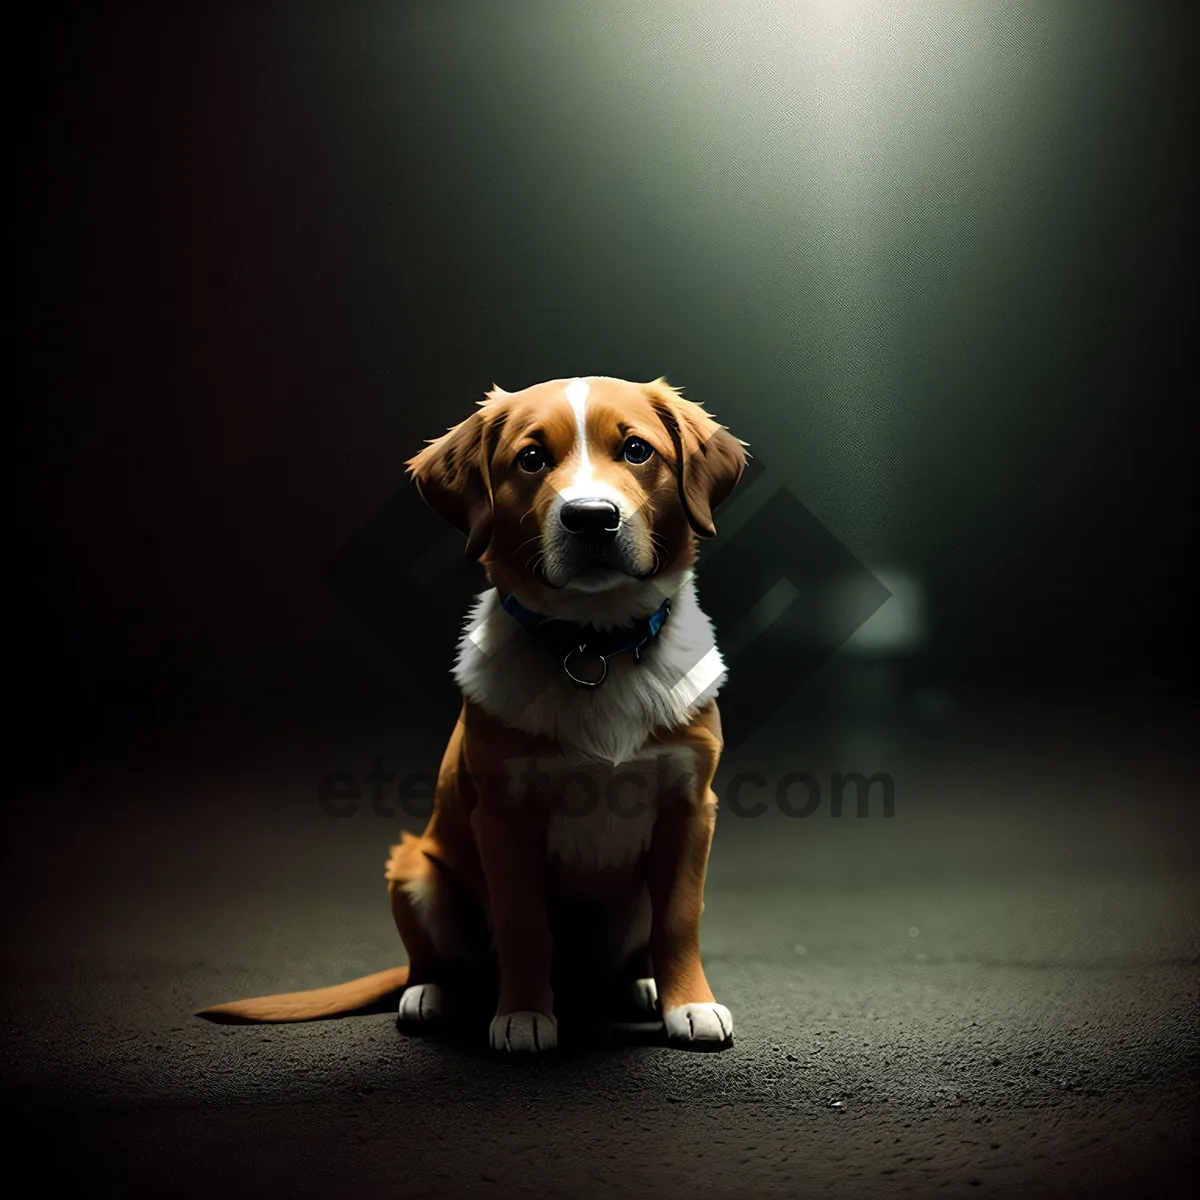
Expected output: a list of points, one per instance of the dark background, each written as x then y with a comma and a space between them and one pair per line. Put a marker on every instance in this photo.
933, 267
934, 262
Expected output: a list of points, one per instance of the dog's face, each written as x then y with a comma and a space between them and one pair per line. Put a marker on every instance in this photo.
582, 488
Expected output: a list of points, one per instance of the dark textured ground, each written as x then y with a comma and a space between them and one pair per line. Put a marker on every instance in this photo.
992, 992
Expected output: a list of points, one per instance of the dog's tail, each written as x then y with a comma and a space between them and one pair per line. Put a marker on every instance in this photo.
313, 1005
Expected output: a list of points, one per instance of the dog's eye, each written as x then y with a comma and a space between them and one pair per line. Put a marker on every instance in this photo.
533, 459
637, 451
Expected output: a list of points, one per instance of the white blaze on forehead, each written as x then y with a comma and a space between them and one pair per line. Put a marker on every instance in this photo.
577, 393
584, 485
577, 396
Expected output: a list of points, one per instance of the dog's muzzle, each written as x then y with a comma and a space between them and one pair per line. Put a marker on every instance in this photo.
590, 544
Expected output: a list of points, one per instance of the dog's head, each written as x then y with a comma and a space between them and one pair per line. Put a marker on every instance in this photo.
583, 495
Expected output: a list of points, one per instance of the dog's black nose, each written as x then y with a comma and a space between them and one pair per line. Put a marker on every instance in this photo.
592, 518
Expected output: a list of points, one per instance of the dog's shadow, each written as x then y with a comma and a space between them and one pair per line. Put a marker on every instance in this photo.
468, 1039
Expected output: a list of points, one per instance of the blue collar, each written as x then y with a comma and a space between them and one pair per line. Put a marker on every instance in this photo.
584, 648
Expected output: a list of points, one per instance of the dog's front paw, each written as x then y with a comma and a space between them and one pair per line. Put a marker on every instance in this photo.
421, 1004
701, 1026
523, 1033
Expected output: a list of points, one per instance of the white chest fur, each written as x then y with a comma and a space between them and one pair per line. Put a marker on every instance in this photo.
601, 814
512, 678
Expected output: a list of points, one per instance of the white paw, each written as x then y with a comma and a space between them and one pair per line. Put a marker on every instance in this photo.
523, 1033
643, 996
702, 1025
421, 1004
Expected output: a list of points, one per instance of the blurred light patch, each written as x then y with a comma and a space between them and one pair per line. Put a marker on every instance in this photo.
898, 626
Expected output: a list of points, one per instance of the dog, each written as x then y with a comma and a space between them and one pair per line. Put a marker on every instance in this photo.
574, 810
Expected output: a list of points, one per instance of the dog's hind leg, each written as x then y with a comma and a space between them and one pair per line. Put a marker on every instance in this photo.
411, 884
431, 913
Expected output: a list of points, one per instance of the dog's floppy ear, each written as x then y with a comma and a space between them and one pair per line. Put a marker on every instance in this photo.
709, 459
453, 477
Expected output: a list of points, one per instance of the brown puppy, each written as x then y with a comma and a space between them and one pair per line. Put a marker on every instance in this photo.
574, 803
